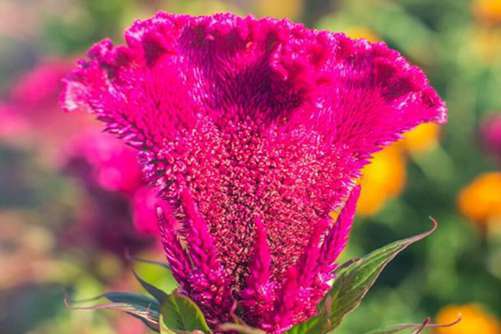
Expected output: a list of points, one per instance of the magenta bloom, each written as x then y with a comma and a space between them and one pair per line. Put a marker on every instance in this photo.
38, 89
34, 113
110, 216
491, 135
253, 130
101, 159
13, 127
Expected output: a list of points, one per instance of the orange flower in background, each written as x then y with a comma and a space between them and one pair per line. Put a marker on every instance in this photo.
486, 43
421, 139
361, 32
480, 201
384, 178
488, 11
474, 320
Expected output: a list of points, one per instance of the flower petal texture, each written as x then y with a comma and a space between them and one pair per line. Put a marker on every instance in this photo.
253, 130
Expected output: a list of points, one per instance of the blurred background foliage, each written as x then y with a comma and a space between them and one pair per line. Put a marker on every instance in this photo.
451, 173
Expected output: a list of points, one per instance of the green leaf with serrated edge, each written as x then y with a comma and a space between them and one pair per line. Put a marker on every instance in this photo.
354, 281
180, 314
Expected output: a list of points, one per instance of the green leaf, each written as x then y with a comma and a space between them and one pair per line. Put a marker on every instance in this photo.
142, 307
156, 274
156, 292
353, 282
180, 314
311, 326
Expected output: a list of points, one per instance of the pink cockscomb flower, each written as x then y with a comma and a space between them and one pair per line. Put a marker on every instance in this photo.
253, 131
110, 217
103, 160
13, 127
33, 99
490, 131
39, 87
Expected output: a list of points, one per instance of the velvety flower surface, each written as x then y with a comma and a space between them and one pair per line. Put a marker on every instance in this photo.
253, 130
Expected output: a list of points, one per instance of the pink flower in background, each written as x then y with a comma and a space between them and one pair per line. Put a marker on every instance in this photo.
110, 217
144, 204
33, 101
108, 163
491, 135
40, 87
253, 131
13, 127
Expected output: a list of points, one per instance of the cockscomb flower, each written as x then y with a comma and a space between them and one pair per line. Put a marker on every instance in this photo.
101, 159
38, 88
253, 131
12, 125
110, 217
34, 114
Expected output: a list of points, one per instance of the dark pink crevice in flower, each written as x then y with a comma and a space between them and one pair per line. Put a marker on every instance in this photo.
253, 131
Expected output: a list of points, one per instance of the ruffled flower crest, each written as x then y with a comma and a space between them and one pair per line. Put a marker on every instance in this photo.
253, 130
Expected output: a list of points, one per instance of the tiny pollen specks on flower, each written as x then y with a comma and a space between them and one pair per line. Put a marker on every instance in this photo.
253, 130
